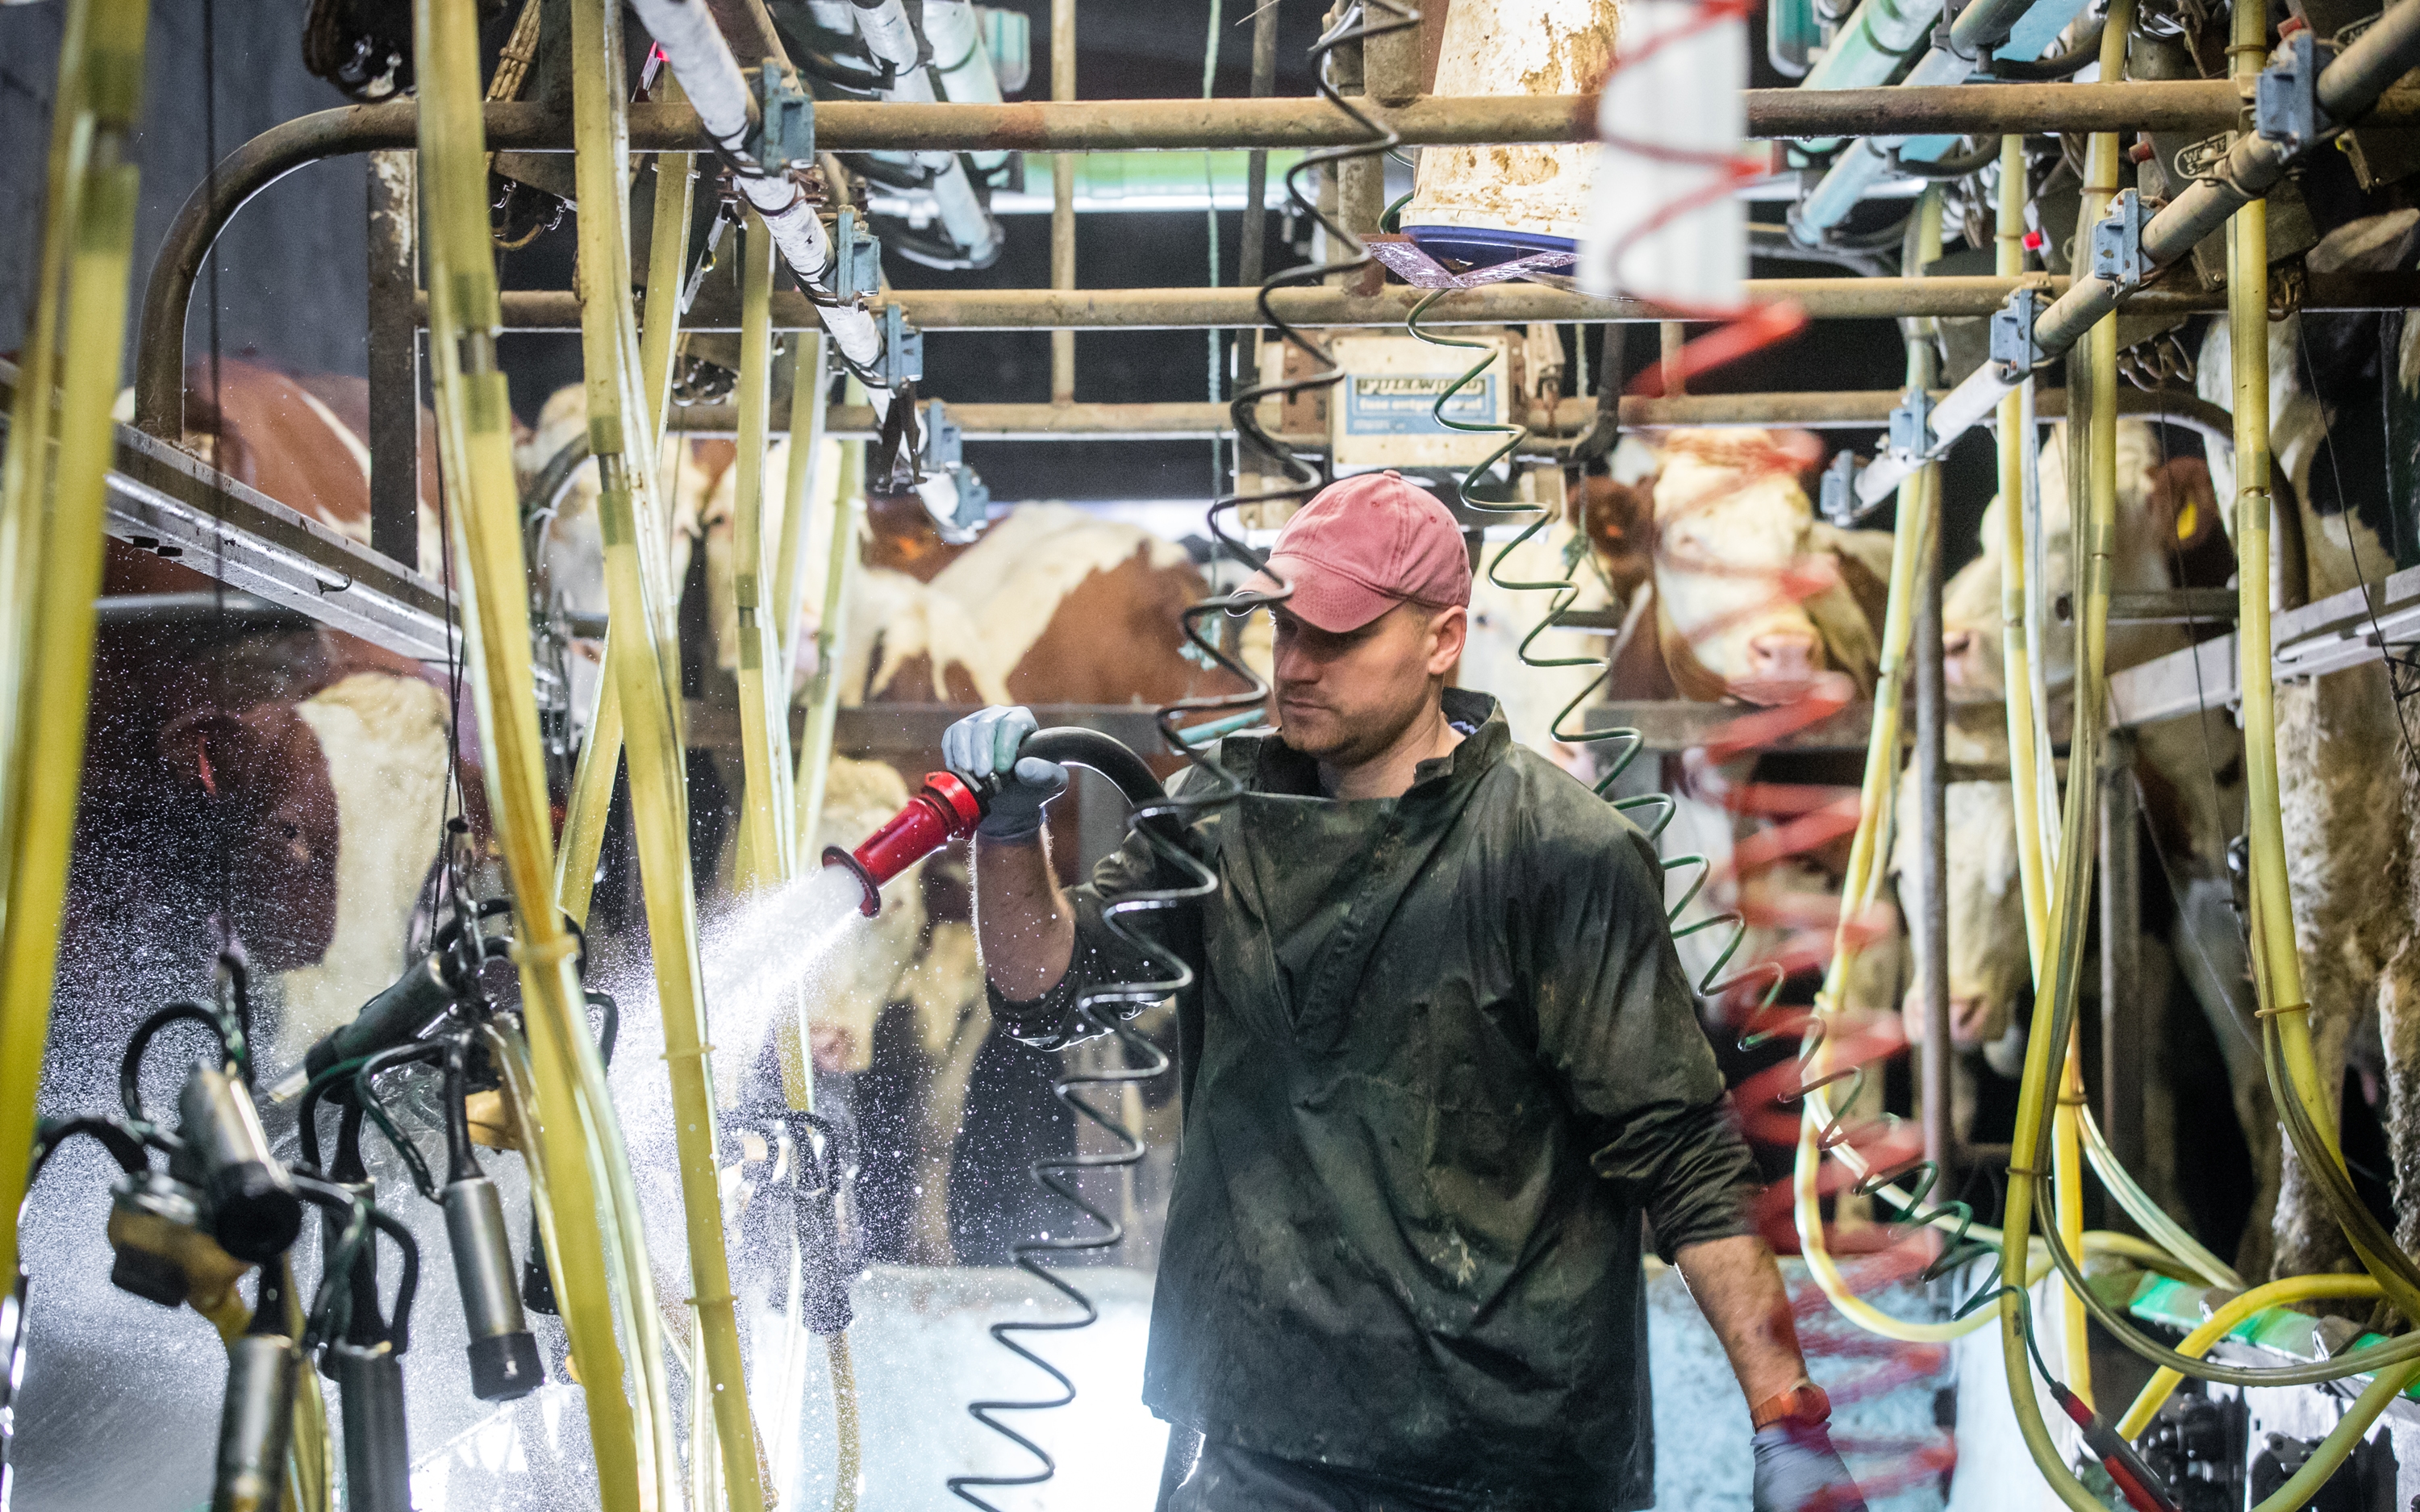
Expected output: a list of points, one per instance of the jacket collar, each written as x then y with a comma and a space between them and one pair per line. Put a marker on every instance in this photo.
1265, 763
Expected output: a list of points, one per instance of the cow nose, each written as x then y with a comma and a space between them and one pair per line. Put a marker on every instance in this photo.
1781, 655
1968, 1018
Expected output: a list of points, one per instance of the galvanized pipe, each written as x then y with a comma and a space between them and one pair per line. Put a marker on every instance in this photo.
1063, 199
2252, 166
1847, 411
1932, 860
1194, 309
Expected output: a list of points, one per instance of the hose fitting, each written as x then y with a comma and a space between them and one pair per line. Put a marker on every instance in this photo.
253, 1211
503, 1354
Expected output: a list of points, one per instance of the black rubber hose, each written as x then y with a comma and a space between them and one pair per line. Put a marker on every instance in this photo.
1075, 745
1945, 169
129, 1066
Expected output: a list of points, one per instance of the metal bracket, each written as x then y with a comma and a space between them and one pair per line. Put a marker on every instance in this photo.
856, 259
784, 137
2285, 100
903, 349
2014, 350
2117, 255
1911, 427
1838, 495
945, 454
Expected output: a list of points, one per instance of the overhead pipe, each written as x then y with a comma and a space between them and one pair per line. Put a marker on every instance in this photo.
2021, 27
2184, 105
1851, 409
2345, 89
1195, 309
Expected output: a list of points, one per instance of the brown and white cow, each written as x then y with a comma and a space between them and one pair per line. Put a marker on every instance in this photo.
1751, 595
289, 775
2348, 864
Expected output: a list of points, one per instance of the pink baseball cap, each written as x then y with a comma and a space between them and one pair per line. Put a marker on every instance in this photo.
1363, 545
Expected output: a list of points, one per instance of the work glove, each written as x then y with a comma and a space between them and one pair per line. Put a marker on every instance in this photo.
1798, 1470
982, 748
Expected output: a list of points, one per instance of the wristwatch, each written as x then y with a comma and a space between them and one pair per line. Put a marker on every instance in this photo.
1804, 1404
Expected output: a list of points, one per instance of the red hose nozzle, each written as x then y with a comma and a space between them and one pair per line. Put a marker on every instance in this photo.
943, 809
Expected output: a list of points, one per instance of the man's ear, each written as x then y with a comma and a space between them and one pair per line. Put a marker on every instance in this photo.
1448, 632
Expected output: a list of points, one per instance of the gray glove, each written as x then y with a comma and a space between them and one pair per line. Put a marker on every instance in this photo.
1798, 1470
981, 748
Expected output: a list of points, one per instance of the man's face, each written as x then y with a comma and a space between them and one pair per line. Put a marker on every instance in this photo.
1345, 698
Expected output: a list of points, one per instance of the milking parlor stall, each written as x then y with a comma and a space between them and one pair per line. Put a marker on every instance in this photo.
502, 500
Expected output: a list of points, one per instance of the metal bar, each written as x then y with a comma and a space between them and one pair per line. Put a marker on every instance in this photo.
2122, 1011
1251, 257
394, 358
1196, 309
1113, 125
2165, 606
161, 499
1850, 410
1063, 200
2251, 167
1932, 859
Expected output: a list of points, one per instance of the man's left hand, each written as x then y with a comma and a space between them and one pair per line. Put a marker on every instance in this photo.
1798, 1470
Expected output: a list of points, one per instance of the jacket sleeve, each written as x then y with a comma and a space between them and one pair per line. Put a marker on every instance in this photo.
1618, 1025
1101, 959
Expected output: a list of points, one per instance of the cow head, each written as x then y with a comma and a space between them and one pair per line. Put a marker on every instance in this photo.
1731, 566
269, 811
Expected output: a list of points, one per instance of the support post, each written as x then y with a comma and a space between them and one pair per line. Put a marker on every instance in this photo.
1672, 335
2122, 1011
1932, 859
1361, 182
394, 356
1063, 200
1251, 257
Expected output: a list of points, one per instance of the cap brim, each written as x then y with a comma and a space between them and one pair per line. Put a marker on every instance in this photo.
1325, 600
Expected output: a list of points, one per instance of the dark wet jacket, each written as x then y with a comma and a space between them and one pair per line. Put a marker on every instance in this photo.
1441, 1061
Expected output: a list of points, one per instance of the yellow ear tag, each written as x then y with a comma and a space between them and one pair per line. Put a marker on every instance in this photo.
2188, 519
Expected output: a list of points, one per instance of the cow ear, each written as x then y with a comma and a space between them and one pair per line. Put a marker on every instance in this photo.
1804, 449
198, 747
2183, 502
1613, 515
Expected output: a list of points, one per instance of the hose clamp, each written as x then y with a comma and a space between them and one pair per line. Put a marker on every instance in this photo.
784, 134
945, 453
2286, 97
2117, 254
2015, 351
903, 349
1911, 427
856, 259
1838, 496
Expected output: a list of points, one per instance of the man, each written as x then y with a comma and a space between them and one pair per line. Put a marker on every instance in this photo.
1440, 1061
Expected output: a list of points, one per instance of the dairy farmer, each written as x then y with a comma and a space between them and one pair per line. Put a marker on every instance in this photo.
1440, 1062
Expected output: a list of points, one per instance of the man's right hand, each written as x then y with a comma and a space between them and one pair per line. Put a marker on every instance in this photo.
982, 749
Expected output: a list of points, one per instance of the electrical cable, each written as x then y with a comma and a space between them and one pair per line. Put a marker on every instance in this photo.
1181, 877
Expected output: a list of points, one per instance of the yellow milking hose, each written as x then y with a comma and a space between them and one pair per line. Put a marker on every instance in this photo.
645, 671
578, 1142
766, 854
53, 511
823, 692
600, 753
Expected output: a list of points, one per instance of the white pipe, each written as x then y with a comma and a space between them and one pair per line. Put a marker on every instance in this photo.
962, 61
702, 60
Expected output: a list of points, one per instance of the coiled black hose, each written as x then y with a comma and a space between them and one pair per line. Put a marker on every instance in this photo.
1162, 821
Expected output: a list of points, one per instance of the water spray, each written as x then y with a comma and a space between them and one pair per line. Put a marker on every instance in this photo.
947, 807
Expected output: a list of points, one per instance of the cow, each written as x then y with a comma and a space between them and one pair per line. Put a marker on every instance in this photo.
1750, 596
287, 777
2349, 873
2187, 771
